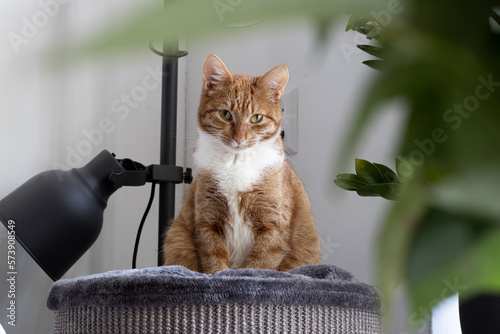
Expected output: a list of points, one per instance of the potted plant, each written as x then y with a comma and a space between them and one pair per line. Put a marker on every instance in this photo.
443, 232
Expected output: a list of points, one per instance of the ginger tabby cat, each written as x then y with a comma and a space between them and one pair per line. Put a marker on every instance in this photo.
246, 208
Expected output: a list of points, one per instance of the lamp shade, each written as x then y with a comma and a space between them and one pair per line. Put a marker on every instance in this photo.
57, 215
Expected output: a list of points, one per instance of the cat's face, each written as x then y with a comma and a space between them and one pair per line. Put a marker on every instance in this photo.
238, 110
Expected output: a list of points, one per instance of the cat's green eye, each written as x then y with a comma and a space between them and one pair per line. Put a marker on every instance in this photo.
256, 118
225, 115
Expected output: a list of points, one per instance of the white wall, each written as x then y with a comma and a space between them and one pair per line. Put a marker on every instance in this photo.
46, 114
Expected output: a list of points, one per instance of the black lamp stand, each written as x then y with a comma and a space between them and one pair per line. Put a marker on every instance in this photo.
168, 139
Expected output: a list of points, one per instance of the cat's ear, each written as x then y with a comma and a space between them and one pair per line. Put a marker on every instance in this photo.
275, 81
214, 72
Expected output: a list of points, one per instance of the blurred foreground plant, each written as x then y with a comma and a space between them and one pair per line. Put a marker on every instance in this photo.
445, 227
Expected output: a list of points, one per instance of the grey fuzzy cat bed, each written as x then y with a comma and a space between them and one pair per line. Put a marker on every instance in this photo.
173, 299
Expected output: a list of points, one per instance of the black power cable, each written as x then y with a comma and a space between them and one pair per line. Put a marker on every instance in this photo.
139, 231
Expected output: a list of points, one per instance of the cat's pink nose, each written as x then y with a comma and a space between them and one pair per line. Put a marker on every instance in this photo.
239, 140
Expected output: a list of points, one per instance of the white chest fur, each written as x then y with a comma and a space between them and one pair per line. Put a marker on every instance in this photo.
236, 173
239, 236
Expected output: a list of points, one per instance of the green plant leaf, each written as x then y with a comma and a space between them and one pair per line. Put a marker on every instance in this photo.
375, 64
366, 26
372, 50
368, 191
387, 173
371, 180
351, 22
388, 191
367, 172
349, 181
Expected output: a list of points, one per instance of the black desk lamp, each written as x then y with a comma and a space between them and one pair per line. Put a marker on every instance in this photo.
57, 215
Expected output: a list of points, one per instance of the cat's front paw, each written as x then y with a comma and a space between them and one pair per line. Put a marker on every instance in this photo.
261, 264
212, 265
213, 270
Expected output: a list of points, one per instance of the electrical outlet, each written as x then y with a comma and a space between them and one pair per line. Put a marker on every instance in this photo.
290, 121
